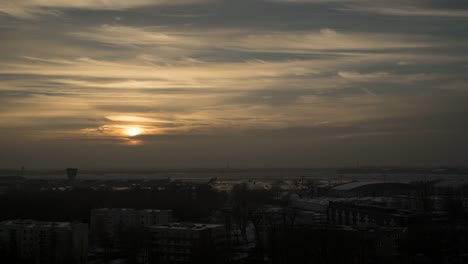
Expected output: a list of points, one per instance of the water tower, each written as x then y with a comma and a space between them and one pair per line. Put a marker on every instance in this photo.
71, 173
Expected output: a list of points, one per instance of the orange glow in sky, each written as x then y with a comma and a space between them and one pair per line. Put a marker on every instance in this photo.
133, 131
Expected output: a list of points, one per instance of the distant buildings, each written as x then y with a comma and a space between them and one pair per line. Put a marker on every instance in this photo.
115, 227
9, 183
27, 241
361, 189
187, 243
452, 186
355, 213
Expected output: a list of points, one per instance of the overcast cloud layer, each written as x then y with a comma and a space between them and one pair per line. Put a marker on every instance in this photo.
259, 83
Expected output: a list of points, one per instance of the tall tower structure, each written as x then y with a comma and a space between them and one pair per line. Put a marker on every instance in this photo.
71, 173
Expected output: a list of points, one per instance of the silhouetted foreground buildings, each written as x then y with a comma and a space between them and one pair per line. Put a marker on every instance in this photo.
114, 227
365, 214
301, 221
28, 241
188, 243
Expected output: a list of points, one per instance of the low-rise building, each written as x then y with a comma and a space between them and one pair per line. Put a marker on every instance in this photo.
27, 241
335, 244
187, 243
114, 227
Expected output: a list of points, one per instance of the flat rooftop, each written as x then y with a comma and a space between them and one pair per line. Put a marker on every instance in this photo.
32, 224
186, 226
130, 209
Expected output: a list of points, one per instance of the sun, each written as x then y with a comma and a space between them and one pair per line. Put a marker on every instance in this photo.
133, 131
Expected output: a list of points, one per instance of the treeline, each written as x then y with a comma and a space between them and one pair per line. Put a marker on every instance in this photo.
189, 202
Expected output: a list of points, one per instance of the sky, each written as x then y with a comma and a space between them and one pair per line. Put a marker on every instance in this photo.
249, 83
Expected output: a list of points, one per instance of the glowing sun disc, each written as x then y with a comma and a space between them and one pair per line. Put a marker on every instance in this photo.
133, 131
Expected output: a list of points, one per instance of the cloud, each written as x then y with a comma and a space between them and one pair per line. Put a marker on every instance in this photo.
33, 8
252, 40
407, 11
418, 8
245, 80
388, 77
135, 119
124, 35
356, 76
137, 75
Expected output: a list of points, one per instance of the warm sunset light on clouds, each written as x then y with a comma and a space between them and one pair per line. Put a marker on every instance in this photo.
248, 82
133, 131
